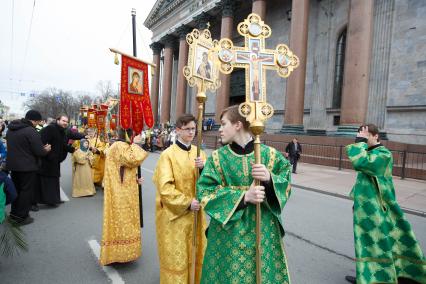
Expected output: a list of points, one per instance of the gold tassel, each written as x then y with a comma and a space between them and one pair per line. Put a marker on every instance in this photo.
116, 62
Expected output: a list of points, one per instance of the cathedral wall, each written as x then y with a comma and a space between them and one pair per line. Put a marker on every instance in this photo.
406, 101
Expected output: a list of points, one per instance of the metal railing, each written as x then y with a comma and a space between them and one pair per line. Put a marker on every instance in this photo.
405, 164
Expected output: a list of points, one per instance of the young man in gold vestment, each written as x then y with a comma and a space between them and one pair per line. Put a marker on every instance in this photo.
175, 177
121, 234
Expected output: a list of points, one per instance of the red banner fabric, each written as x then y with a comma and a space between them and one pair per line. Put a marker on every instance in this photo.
137, 117
91, 118
125, 117
113, 122
101, 119
134, 95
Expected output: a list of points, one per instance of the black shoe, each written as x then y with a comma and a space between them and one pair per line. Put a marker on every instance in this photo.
26, 221
34, 208
21, 221
52, 205
350, 279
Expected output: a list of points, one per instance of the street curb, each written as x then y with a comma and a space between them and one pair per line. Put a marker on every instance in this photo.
338, 195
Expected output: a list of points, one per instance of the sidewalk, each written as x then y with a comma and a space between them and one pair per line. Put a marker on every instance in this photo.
410, 193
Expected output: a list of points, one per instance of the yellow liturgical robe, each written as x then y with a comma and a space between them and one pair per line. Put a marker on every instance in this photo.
174, 178
121, 234
82, 182
98, 166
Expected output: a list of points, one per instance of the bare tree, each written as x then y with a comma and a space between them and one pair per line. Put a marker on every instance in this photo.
53, 102
84, 98
106, 90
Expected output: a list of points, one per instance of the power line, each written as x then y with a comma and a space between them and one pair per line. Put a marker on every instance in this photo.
144, 46
27, 42
123, 33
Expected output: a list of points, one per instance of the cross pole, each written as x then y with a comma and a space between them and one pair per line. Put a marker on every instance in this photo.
256, 59
200, 73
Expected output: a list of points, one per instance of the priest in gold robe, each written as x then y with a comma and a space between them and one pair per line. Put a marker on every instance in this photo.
121, 235
176, 204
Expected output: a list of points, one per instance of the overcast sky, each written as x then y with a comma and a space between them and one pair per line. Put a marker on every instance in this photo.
67, 47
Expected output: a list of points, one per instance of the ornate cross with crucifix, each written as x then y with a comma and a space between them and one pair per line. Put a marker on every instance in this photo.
256, 60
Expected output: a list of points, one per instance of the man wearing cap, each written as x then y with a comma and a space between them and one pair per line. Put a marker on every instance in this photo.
24, 146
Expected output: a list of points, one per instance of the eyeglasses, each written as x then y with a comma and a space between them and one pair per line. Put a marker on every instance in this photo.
189, 129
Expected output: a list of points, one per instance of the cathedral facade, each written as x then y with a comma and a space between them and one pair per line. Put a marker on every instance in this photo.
361, 61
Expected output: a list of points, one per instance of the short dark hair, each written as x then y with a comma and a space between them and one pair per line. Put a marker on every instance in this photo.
184, 120
372, 128
61, 116
234, 116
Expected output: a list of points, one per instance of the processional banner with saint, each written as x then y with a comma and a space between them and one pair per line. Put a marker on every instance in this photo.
135, 103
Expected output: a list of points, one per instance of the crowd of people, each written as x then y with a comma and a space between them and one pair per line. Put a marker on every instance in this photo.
34, 152
190, 185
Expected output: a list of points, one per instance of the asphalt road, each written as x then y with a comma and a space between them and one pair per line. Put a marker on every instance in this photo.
63, 241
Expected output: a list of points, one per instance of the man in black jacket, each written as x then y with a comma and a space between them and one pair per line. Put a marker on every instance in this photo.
56, 135
24, 146
293, 151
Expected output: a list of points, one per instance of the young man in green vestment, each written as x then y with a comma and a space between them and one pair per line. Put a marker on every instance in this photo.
386, 248
228, 195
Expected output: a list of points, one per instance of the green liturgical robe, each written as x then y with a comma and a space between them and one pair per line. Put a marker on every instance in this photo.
385, 245
230, 254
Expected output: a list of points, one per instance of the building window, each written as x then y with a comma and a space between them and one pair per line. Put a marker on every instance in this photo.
336, 120
238, 87
339, 69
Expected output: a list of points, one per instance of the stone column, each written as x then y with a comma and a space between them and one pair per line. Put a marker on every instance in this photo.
174, 81
155, 83
295, 91
357, 67
168, 42
181, 88
380, 61
222, 98
321, 68
259, 7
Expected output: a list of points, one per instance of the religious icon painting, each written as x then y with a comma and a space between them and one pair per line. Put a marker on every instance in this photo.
283, 60
135, 104
135, 81
203, 65
226, 55
201, 70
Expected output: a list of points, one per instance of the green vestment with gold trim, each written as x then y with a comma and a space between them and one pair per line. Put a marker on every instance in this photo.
231, 238
385, 245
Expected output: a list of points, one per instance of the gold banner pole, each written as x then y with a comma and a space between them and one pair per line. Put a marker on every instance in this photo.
199, 72
201, 99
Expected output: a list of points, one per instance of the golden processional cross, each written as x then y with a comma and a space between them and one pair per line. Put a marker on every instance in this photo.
256, 60
201, 73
